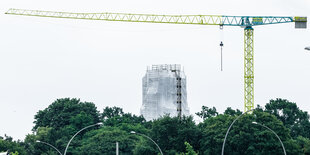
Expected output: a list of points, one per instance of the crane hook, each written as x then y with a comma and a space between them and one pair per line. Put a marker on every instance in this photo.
221, 44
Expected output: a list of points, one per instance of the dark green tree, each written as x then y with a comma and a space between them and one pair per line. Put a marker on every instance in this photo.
103, 142
8, 144
65, 117
292, 117
171, 133
207, 112
144, 146
126, 118
116, 117
110, 112
245, 137
304, 144
231, 112
43, 134
117, 128
61, 112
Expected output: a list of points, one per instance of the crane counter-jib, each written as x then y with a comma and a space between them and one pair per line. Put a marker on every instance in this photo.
246, 22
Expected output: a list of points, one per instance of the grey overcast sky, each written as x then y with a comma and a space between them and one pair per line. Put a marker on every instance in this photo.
42, 59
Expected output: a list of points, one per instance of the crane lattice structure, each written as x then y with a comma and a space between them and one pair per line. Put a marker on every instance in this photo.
246, 22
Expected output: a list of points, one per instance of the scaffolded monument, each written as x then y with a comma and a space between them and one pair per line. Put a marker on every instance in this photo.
164, 92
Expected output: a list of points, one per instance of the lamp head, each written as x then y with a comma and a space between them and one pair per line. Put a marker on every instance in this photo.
132, 132
100, 123
254, 123
38, 141
307, 48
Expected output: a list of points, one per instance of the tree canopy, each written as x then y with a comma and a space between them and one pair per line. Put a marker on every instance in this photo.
57, 123
65, 111
292, 117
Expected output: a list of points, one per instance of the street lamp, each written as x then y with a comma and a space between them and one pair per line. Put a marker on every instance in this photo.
78, 133
273, 133
49, 145
132, 132
223, 146
307, 48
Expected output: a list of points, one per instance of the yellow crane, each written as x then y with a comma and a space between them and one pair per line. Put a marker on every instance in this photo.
246, 22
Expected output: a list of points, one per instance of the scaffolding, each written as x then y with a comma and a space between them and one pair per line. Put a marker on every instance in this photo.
164, 92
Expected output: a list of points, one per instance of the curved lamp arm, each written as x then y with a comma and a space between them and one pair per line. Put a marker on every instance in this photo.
230, 127
50, 146
273, 133
149, 139
78, 133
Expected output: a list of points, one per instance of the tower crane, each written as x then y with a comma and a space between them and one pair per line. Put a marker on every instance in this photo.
246, 22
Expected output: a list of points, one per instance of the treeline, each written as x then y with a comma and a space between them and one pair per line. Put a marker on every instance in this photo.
57, 123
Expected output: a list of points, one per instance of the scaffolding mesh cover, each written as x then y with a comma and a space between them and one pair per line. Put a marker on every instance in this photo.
160, 91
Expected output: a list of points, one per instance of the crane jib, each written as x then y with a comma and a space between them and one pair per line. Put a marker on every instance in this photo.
221, 20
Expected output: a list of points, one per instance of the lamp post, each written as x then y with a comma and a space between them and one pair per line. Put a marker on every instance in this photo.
223, 146
78, 133
273, 133
149, 139
49, 145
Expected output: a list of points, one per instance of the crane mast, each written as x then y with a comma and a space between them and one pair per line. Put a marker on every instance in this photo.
248, 69
246, 22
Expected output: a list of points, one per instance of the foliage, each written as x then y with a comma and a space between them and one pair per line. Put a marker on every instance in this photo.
7, 144
110, 112
171, 133
144, 147
43, 134
231, 112
63, 118
304, 144
292, 117
15, 153
189, 149
125, 119
207, 112
244, 136
62, 112
103, 142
